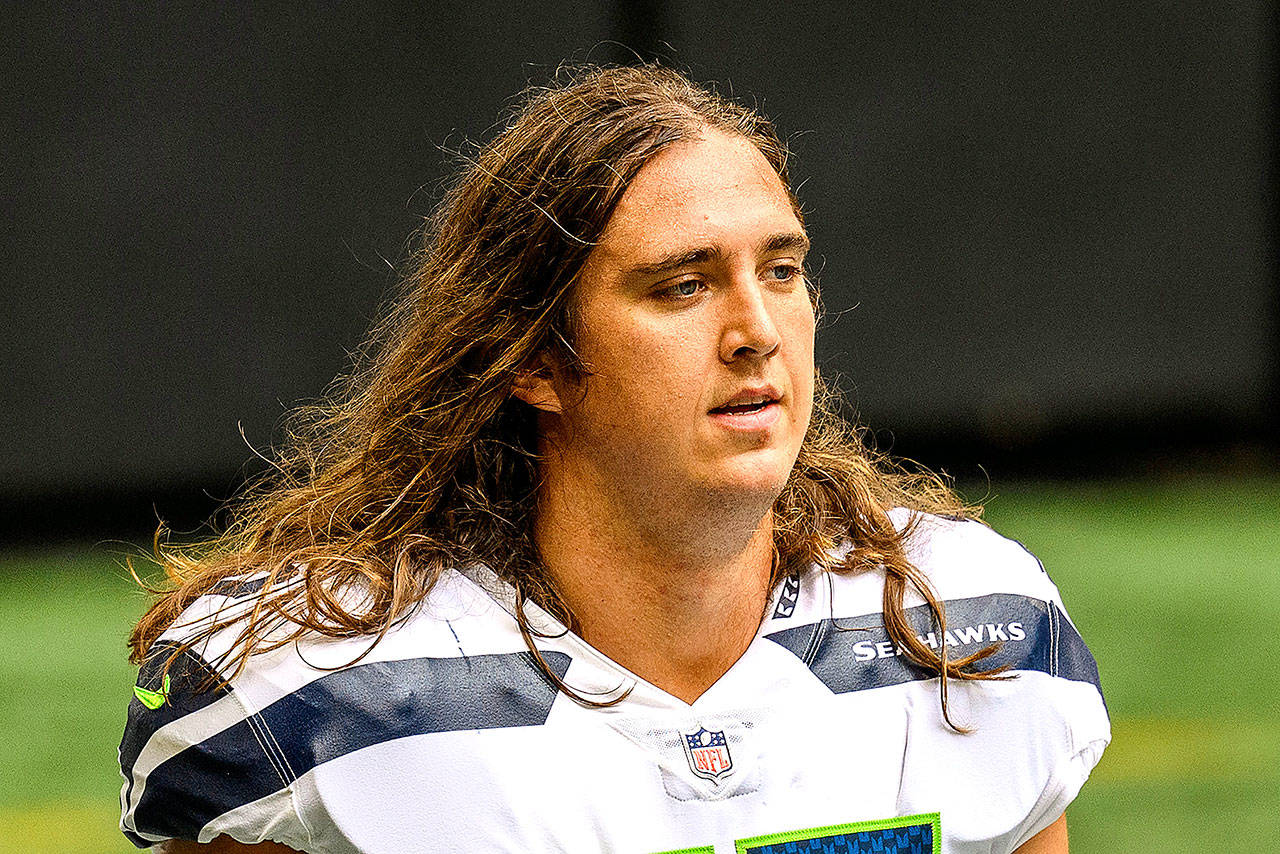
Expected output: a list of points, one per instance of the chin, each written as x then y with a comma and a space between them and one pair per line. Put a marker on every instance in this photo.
756, 478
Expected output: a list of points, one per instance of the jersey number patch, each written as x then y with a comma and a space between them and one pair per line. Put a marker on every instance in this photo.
908, 834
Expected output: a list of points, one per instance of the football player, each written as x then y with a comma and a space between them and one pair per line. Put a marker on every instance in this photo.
582, 558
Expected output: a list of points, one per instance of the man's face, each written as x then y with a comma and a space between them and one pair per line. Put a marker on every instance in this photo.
696, 328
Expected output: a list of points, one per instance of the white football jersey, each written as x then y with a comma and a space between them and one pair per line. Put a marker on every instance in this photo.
447, 737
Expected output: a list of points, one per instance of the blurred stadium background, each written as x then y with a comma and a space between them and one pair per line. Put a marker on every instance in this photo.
1046, 240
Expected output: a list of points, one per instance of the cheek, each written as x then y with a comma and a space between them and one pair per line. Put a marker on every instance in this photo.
798, 329
800, 333
642, 376
650, 358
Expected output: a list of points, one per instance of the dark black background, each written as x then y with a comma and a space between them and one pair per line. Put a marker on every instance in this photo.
1044, 231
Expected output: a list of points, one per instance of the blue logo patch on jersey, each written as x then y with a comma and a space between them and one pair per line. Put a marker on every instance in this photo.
708, 753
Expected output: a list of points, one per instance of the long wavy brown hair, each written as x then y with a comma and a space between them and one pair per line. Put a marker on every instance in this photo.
420, 459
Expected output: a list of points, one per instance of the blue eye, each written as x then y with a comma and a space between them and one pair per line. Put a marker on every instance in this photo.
784, 272
687, 288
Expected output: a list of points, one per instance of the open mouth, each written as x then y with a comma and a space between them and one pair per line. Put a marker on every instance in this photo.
748, 403
743, 408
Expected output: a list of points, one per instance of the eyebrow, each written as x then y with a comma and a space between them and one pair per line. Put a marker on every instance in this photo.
796, 241
792, 240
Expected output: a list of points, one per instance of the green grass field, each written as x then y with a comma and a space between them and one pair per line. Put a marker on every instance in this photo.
1175, 585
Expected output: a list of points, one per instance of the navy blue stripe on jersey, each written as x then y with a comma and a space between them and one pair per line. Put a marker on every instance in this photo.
338, 714
188, 673
856, 653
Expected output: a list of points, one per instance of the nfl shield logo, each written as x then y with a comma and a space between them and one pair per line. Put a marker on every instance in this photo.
708, 753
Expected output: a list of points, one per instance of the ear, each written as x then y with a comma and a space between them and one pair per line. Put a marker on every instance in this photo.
536, 389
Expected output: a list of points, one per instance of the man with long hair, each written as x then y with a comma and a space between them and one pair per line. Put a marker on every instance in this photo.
581, 557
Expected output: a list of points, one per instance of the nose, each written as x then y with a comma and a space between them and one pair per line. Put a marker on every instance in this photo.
748, 327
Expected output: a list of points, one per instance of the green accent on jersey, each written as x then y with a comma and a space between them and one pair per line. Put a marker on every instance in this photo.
743, 846
153, 699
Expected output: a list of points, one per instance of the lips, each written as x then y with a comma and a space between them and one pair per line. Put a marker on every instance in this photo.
742, 408
748, 401
749, 414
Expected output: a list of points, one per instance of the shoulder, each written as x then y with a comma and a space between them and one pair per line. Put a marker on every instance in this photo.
959, 558
993, 591
993, 594
210, 751
1042, 724
965, 557
431, 627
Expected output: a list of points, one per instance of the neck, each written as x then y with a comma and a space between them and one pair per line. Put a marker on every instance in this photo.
675, 602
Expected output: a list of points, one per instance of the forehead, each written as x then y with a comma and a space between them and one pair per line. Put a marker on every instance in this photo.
714, 190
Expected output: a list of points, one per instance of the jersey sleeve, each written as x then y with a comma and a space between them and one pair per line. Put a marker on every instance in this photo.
1035, 734
1083, 713
198, 762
